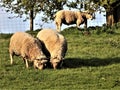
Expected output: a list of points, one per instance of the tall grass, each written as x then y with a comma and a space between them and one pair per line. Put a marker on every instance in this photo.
92, 62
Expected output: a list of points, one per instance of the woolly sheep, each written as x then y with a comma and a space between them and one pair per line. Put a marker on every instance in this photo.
71, 17
29, 48
55, 46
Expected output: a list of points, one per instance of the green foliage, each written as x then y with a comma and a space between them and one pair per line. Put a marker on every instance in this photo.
51, 7
92, 62
107, 3
20, 7
83, 5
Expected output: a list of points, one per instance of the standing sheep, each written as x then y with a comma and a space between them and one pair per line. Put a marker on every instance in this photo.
55, 46
29, 48
71, 17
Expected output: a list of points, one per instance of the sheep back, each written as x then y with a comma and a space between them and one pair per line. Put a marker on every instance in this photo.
54, 42
25, 45
67, 16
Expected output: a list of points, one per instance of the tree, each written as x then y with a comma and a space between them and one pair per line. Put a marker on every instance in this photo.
51, 7
112, 8
20, 7
31, 7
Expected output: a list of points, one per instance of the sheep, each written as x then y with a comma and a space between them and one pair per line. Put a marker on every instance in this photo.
29, 48
71, 17
55, 46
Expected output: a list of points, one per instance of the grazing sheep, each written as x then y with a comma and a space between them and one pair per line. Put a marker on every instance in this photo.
71, 17
29, 48
55, 46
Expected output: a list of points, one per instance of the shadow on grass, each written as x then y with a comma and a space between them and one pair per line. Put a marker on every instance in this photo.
76, 63
94, 62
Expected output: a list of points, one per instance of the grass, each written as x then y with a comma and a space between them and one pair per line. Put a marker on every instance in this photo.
92, 62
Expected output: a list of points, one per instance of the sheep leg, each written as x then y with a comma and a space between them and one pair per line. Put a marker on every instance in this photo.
34, 64
11, 59
85, 24
78, 22
26, 62
58, 26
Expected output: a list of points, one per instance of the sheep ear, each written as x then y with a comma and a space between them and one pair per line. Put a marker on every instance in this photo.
42, 57
44, 61
86, 11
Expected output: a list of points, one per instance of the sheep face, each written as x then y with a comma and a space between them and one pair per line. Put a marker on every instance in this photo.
88, 16
56, 63
40, 64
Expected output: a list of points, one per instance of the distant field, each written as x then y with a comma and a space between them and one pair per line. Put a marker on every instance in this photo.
92, 62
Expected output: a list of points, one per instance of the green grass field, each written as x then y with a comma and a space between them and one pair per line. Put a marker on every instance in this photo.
92, 62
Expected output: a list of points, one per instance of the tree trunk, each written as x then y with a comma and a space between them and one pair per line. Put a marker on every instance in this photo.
117, 14
109, 18
113, 16
31, 20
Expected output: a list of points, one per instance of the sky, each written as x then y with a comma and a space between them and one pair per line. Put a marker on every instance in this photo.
16, 24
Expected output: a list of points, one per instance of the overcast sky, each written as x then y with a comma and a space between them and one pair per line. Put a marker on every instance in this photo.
16, 24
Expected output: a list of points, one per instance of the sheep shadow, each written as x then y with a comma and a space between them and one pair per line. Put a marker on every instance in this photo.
93, 62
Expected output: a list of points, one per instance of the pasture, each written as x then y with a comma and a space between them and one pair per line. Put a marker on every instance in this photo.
92, 62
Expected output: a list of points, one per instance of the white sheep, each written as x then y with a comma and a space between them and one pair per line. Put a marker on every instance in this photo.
29, 48
55, 46
71, 17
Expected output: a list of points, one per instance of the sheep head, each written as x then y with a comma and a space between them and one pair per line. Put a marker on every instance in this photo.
56, 63
88, 14
40, 63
